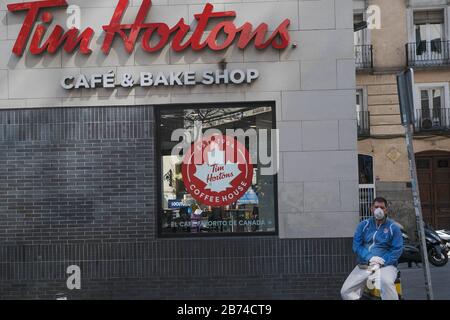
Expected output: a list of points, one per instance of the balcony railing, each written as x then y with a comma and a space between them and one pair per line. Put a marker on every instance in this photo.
428, 54
363, 57
363, 120
432, 120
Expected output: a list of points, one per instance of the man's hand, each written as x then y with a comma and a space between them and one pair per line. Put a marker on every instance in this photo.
376, 260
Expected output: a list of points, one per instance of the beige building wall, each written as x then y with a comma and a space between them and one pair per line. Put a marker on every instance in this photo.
387, 143
389, 46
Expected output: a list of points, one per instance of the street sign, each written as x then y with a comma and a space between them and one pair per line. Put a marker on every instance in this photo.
405, 86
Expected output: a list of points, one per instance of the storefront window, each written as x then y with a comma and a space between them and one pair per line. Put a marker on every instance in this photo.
187, 196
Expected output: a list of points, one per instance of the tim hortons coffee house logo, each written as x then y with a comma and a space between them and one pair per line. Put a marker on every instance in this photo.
155, 35
217, 170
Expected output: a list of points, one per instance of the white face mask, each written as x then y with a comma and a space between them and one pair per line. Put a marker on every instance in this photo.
379, 214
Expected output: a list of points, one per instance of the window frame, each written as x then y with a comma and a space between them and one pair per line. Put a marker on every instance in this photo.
362, 91
429, 91
429, 86
158, 175
365, 33
372, 159
364, 98
411, 26
369, 186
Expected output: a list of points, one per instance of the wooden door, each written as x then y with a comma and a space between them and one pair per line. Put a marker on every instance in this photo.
434, 183
425, 176
441, 186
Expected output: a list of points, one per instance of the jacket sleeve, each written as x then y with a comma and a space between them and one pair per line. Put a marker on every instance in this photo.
358, 244
391, 257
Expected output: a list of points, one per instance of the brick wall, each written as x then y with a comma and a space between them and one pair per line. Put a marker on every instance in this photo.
78, 186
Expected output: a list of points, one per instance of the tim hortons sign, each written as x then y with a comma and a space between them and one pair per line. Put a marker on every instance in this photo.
180, 36
217, 170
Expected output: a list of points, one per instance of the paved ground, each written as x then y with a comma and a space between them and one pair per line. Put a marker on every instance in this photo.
413, 282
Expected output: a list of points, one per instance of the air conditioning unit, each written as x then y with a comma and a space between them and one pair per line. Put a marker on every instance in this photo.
430, 123
427, 123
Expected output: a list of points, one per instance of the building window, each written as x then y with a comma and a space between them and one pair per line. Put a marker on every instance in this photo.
431, 113
363, 51
429, 31
431, 99
360, 100
362, 115
183, 214
429, 47
360, 35
365, 168
366, 185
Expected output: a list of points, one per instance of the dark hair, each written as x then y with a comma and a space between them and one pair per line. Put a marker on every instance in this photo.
380, 199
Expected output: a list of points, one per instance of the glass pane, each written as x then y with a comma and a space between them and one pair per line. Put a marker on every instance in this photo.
437, 106
182, 212
436, 32
359, 101
421, 39
425, 101
437, 102
365, 167
359, 107
359, 37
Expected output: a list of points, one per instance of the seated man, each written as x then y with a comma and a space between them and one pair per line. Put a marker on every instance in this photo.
378, 242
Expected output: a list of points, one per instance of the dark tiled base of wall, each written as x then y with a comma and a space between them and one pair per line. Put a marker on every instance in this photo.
223, 268
311, 286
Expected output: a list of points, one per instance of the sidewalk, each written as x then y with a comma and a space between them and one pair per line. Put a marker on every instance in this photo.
414, 286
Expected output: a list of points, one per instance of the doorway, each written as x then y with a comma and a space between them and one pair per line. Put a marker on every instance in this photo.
433, 170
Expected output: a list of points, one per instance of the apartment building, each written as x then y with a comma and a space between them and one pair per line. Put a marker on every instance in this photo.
402, 34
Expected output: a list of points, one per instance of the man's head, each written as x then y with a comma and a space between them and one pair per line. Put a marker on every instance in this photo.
379, 208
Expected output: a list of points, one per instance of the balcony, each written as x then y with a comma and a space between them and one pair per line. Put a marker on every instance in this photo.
363, 121
363, 57
428, 54
432, 120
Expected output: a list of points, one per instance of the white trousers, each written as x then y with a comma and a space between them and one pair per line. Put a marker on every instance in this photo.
353, 287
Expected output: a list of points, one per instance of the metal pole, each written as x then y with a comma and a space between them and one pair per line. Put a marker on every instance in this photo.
418, 210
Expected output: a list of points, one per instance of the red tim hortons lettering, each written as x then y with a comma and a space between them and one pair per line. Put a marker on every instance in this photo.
279, 38
115, 27
57, 38
180, 35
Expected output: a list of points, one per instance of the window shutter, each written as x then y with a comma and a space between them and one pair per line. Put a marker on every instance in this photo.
358, 18
429, 16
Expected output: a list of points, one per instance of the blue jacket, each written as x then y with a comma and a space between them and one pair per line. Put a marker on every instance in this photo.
384, 241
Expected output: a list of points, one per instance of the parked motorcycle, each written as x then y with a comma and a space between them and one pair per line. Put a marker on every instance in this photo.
436, 248
445, 236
